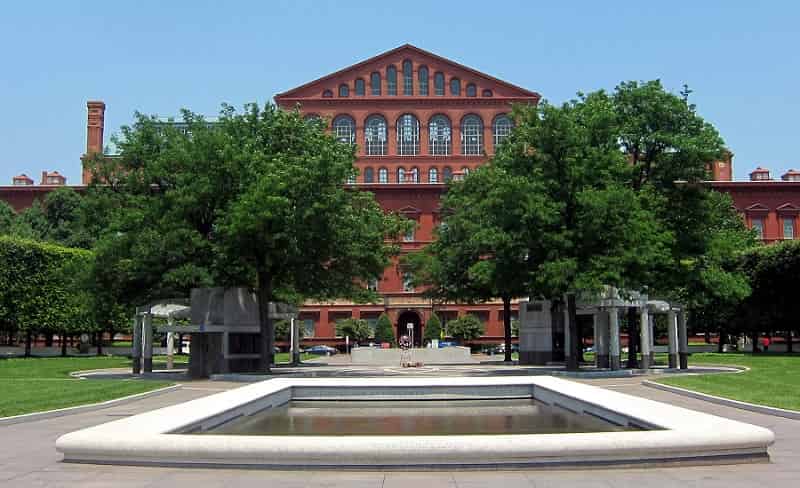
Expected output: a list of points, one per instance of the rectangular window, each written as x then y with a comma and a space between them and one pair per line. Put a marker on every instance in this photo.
758, 226
373, 285
409, 236
408, 282
308, 327
788, 228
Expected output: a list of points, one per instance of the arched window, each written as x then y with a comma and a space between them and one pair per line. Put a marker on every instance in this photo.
471, 90
447, 173
369, 175
465, 170
407, 135
391, 80
375, 135
327, 94
375, 83
422, 74
501, 129
344, 90
415, 174
471, 135
455, 87
360, 87
401, 175
433, 175
487, 93
344, 129
438, 83
408, 78
440, 135
383, 175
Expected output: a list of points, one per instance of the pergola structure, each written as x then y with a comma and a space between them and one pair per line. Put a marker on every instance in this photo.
169, 309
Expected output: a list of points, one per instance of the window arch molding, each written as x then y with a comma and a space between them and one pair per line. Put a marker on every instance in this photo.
414, 171
383, 175
344, 129
408, 77
502, 125
369, 175
422, 80
401, 174
391, 80
407, 126
375, 135
471, 135
433, 175
440, 135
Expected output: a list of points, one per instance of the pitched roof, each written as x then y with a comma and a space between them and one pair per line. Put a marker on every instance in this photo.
410, 50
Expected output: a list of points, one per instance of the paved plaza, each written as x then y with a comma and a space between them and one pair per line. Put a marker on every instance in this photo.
28, 456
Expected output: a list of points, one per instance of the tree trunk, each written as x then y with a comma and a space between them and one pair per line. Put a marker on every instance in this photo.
63, 344
48, 340
507, 327
632, 338
99, 342
266, 326
708, 336
574, 340
754, 338
721, 342
28, 340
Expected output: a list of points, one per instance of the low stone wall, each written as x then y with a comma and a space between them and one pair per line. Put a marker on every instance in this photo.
391, 357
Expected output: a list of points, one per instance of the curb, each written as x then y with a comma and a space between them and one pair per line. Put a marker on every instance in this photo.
752, 407
60, 412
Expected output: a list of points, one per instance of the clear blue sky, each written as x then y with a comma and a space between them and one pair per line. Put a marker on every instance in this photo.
741, 58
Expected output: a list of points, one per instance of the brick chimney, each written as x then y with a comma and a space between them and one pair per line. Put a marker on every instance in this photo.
95, 124
722, 170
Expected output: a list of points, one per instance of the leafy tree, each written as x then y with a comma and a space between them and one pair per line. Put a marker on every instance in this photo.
433, 328
236, 203
384, 331
465, 328
485, 246
7, 217
32, 223
515, 327
61, 211
357, 329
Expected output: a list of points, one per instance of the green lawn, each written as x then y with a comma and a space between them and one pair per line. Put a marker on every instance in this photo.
38, 384
774, 379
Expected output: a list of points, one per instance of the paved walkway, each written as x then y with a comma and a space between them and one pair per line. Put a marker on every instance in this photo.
28, 457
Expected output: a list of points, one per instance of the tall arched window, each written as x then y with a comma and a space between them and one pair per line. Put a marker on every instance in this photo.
408, 78
415, 174
375, 83
344, 129
433, 175
447, 173
440, 135
501, 129
391, 80
407, 135
360, 87
471, 135
344, 90
375, 136
471, 90
401, 175
369, 175
438, 83
383, 175
422, 74
455, 87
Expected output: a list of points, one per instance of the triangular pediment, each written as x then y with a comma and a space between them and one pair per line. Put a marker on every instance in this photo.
409, 211
757, 207
328, 86
788, 207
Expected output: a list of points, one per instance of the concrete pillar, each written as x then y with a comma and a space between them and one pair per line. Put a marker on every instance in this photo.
295, 340
602, 335
672, 336
136, 350
651, 326
170, 349
613, 332
147, 342
683, 341
644, 336
567, 343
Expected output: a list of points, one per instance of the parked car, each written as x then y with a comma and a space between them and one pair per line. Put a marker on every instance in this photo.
322, 350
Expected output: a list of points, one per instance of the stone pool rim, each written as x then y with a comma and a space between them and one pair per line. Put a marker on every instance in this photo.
686, 436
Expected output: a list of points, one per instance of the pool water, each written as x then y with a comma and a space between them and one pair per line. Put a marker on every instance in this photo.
410, 417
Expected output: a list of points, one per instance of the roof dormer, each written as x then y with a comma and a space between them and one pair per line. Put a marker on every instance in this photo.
760, 174
22, 180
53, 178
791, 175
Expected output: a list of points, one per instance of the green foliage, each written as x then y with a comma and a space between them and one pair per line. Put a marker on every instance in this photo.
42, 287
515, 327
31, 223
7, 217
357, 329
384, 331
433, 328
465, 328
283, 330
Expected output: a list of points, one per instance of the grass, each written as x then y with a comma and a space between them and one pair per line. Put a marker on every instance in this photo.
38, 384
773, 379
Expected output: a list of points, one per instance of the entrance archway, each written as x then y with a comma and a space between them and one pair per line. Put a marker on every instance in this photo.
413, 318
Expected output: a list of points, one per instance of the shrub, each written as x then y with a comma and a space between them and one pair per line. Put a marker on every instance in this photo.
357, 329
465, 328
383, 330
433, 329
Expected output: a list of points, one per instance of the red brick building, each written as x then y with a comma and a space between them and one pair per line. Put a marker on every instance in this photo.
417, 120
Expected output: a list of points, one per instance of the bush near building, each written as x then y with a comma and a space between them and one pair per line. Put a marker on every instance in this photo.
383, 330
465, 328
433, 329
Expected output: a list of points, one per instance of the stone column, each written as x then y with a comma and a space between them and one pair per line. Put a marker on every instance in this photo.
136, 349
601, 332
672, 336
147, 342
644, 336
567, 343
683, 341
295, 346
651, 325
170, 349
614, 349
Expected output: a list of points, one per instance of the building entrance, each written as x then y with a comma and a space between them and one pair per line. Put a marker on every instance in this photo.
403, 321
